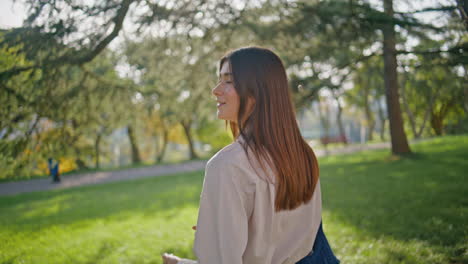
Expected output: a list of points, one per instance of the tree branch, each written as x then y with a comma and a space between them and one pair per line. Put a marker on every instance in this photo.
359, 59
118, 22
430, 9
79, 57
459, 49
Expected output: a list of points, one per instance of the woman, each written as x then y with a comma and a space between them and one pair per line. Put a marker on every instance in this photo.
261, 200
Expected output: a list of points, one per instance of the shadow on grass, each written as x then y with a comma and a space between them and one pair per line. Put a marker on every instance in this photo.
418, 197
146, 197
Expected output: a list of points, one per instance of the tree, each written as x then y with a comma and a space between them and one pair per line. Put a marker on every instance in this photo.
340, 34
397, 132
367, 91
178, 73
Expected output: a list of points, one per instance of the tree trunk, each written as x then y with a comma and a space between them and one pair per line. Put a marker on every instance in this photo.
79, 162
324, 122
465, 89
96, 149
406, 107
382, 120
186, 126
465, 93
397, 132
339, 119
423, 125
437, 117
323, 118
368, 112
133, 144
437, 124
160, 152
427, 113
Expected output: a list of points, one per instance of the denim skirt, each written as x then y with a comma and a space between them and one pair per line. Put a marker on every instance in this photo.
321, 252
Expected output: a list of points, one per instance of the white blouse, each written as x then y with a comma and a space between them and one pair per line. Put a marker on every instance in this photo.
237, 222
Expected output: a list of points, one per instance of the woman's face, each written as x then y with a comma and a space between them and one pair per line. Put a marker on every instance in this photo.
226, 95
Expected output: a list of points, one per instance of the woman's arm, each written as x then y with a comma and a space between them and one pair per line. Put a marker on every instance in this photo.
222, 226
187, 261
225, 205
172, 259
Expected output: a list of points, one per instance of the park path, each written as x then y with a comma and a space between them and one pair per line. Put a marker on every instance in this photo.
12, 188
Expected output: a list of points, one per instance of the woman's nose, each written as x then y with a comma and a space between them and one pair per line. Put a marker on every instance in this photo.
216, 90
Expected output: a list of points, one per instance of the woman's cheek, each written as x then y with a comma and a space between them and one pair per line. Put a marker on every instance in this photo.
230, 90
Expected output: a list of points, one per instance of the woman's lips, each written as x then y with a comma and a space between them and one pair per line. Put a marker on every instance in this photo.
220, 104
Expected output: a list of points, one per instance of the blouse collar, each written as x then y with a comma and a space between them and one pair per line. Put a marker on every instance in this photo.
240, 139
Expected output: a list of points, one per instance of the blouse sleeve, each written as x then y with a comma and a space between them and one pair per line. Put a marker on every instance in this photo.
222, 226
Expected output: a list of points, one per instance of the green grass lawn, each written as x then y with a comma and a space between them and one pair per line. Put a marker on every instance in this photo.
377, 209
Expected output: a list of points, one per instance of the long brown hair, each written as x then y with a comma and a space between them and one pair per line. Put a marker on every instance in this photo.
271, 130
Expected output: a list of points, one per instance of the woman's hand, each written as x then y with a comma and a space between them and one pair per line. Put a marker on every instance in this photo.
170, 259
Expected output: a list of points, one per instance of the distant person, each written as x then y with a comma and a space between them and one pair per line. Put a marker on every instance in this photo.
54, 170
261, 200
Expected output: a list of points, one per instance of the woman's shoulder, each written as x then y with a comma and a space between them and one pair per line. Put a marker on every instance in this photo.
232, 161
231, 154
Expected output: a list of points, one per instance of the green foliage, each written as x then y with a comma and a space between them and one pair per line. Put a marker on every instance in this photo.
56, 113
14, 113
177, 75
214, 133
434, 94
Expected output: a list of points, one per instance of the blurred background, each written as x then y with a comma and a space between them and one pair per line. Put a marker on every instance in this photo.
123, 85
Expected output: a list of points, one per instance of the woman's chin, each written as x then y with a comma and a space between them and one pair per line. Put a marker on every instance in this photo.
221, 117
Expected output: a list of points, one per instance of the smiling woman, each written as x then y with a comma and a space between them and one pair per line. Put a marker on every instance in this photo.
226, 94
261, 198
